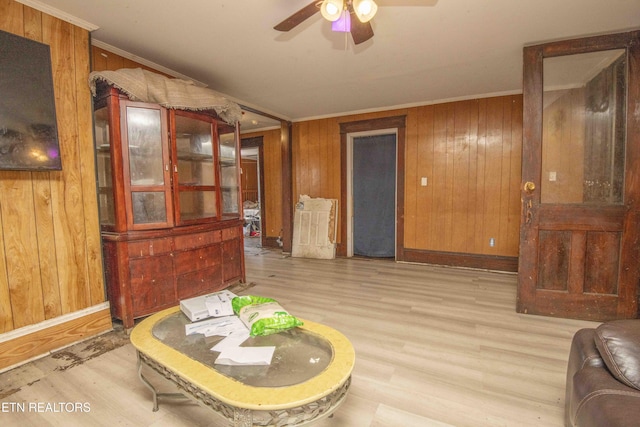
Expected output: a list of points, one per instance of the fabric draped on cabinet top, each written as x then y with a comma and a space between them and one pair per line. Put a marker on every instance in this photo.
146, 86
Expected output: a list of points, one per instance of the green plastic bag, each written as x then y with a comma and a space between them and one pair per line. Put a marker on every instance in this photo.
263, 316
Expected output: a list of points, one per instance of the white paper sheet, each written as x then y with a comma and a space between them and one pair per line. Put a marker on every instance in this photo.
217, 326
232, 354
246, 356
232, 341
226, 329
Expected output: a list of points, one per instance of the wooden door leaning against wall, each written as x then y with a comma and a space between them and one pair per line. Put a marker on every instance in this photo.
581, 190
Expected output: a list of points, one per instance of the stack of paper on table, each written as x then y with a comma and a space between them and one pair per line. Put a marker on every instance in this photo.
235, 333
223, 326
212, 305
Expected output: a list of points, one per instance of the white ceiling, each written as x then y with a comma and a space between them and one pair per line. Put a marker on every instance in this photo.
420, 54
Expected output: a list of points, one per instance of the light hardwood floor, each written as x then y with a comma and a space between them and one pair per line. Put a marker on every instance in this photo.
435, 346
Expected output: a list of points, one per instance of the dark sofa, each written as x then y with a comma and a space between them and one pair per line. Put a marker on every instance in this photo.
603, 376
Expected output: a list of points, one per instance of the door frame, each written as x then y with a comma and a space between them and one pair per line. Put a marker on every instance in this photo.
349, 205
257, 142
397, 123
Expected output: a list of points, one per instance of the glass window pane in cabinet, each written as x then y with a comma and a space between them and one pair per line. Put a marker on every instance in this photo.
195, 152
103, 160
144, 133
197, 204
228, 169
148, 207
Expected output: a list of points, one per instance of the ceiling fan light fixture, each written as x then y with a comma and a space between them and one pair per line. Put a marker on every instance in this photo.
365, 10
331, 10
343, 24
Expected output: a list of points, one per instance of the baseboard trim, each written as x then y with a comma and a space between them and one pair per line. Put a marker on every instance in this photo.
484, 262
271, 242
34, 341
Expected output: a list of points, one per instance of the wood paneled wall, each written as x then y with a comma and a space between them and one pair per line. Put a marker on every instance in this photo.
249, 179
563, 147
50, 254
272, 163
103, 60
470, 153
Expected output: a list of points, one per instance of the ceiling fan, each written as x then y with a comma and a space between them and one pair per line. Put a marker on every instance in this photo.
340, 13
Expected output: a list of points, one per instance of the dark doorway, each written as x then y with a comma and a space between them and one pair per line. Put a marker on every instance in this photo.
374, 195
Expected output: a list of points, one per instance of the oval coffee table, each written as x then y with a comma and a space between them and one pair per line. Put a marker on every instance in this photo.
309, 375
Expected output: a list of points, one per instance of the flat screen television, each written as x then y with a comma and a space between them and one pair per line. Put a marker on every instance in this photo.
28, 127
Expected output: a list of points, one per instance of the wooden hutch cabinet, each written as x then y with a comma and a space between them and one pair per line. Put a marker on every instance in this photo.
168, 188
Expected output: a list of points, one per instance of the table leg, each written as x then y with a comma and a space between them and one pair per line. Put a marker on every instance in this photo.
242, 417
155, 392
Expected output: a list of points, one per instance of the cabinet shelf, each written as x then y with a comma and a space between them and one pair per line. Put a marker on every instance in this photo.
195, 157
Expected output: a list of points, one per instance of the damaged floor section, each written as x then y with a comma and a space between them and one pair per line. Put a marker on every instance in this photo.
14, 380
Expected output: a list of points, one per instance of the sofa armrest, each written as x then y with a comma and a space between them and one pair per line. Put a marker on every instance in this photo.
583, 353
600, 400
593, 396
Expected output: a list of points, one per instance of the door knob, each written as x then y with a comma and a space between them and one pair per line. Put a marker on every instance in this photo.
529, 186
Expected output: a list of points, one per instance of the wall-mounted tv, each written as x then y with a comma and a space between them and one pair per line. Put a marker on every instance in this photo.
28, 129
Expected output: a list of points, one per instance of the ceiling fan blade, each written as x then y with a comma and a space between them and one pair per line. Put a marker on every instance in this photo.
407, 2
360, 32
298, 17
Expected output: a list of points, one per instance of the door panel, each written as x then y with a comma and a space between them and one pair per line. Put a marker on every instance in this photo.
555, 249
314, 228
579, 230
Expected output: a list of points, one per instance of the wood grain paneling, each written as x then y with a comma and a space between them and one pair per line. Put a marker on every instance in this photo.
87, 168
249, 179
563, 147
50, 261
469, 151
105, 60
272, 173
316, 158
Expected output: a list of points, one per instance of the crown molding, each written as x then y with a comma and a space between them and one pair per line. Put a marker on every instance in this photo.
59, 14
410, 105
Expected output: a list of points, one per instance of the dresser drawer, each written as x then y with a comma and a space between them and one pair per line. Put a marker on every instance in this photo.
190, 241
143, 248
199, 282
231, 233
197, 259
152, 285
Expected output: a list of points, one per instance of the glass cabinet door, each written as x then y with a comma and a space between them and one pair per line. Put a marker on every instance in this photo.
146, 155
229, 169
106, 203
194, 171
